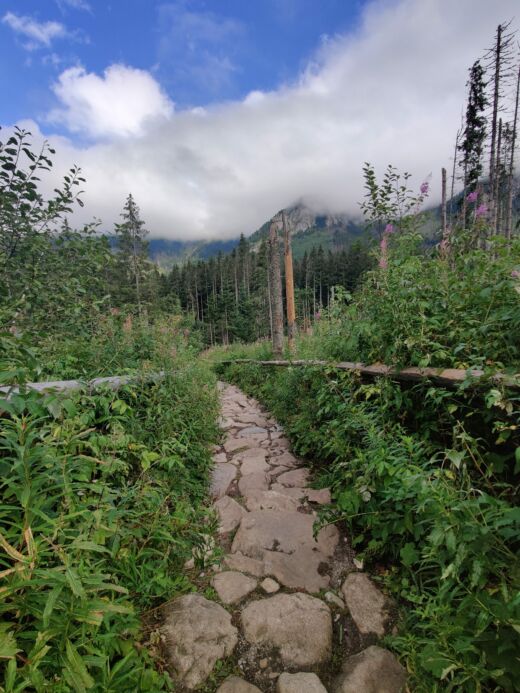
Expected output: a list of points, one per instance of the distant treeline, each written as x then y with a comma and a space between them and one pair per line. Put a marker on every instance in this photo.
228, 295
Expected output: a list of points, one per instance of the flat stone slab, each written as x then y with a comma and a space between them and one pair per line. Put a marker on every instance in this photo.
299, 570
230, 514
232, 586
234, 684
253, 482
255, 466
286, 459
367, 605
251, 454
234, 444
252, 430
300, 683
270, 500
197, 632
221, 477
281, 531
298, 625
219, 457
295, 478
244, 564
374, 670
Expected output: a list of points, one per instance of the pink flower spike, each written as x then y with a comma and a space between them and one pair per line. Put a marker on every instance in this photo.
389, 228
472, 197
425, 187
481, 210
515, 274
383, 263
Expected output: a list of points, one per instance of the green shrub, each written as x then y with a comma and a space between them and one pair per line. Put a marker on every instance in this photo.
102, 501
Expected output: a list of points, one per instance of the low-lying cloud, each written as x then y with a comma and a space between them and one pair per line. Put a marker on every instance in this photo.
390, 92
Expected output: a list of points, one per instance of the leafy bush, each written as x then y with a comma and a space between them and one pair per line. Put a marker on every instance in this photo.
426, 311
101, 503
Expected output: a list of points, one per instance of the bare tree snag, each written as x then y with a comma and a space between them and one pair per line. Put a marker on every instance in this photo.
276, 288
444, 219
289, 284
511, 166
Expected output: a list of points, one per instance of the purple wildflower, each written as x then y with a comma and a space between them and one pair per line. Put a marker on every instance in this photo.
472, 197
317, 315
481, 210
515, 274
425, 187
389, 228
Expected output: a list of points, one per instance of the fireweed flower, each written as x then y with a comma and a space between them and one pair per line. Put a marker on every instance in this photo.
481, 210
472, 197
515, 274
425, 187
389, 228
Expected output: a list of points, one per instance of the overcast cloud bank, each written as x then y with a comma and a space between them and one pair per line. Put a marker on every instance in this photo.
392, 92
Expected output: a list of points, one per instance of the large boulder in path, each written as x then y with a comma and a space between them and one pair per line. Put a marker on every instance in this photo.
221, 477
272, 530
299, 626
230, 514
197, 633
373, 670
367, 605
299, 683
236, 685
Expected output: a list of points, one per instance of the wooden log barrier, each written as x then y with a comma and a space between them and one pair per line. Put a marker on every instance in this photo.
442, 376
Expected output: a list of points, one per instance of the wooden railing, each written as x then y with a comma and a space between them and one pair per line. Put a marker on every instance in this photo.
114, 382
441, 376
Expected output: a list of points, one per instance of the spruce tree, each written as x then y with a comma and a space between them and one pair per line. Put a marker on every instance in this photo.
132, 252
474, 136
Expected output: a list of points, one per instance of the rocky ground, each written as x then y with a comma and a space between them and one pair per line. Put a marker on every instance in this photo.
292, 611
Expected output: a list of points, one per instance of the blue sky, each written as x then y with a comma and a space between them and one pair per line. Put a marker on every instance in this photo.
199, 51
215, 114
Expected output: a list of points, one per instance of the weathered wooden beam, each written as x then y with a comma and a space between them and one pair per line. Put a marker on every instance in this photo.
442, 376
114, 382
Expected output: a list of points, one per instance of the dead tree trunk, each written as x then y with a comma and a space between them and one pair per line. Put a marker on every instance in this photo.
444, 219
494, 126
289, 284
511, 164
276, 288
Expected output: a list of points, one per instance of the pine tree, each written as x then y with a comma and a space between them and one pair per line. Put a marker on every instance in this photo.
132, 252
474, 136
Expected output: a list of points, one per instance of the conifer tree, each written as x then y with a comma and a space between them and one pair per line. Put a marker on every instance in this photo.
474, 136
132, 250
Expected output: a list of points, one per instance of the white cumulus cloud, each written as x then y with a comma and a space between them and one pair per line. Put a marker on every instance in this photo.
39, 33
121, 102
389, 92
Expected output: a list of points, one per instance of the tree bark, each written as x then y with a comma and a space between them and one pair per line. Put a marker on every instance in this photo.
276, 288
289, 284
444, 220
494, 127
510, 175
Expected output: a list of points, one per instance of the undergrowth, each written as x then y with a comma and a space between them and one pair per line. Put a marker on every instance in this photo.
102, 502
426, 478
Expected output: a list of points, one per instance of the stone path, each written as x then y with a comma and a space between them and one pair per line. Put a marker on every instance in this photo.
292, 612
